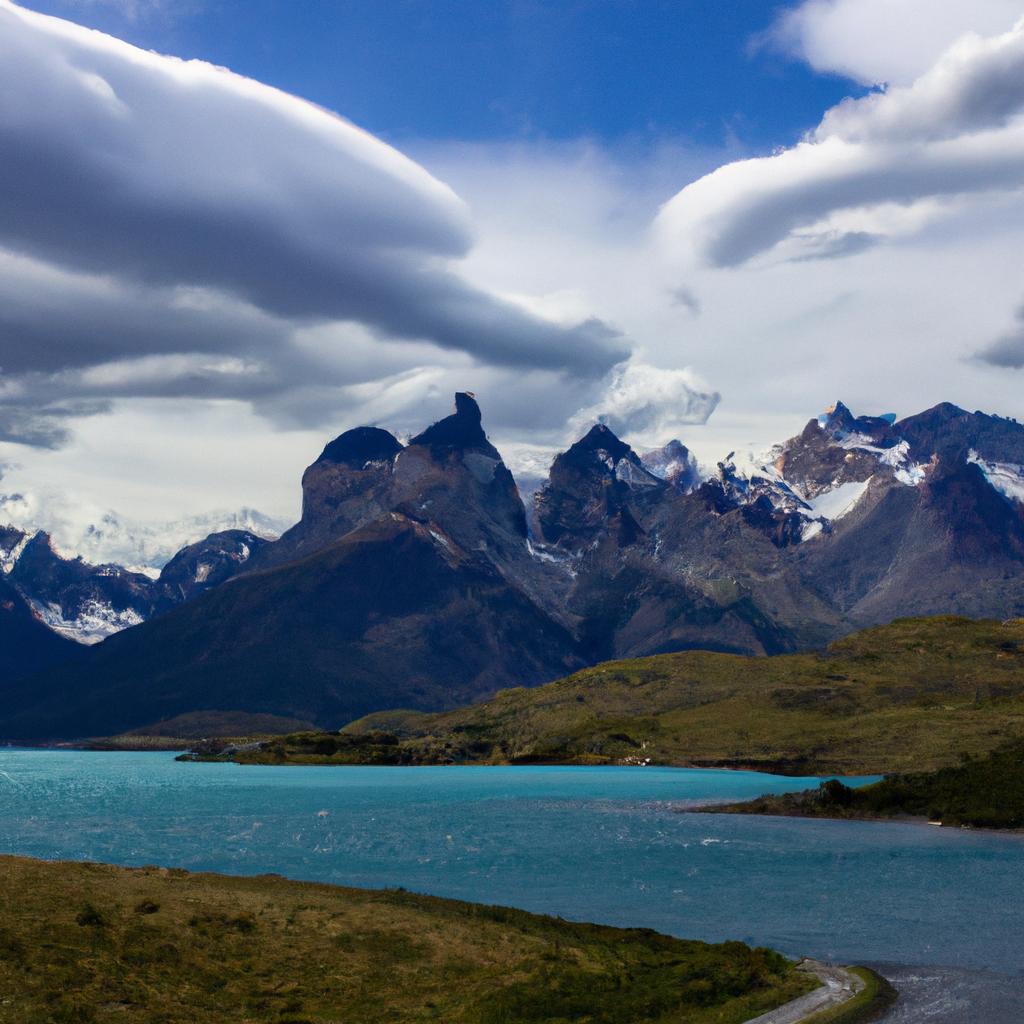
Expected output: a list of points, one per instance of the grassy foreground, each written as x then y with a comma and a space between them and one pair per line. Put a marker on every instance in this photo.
983, 792
83, 943
911, 695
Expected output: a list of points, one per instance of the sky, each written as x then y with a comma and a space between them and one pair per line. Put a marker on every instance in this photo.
230, 231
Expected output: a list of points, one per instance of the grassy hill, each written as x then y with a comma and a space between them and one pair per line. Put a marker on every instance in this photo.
912, 695
984, 792
91, 943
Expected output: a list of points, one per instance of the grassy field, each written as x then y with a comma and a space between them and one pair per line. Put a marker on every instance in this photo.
913, 695
984, 792
84, 943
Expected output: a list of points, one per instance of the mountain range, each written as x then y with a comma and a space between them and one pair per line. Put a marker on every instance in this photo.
417, 577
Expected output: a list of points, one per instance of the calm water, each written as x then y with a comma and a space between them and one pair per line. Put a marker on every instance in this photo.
599, 844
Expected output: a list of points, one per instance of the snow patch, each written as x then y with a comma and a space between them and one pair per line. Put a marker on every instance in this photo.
94, 623
9, 556
835, 504
1006, 477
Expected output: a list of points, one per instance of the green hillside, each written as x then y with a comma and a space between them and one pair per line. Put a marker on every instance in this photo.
912, 695
983, 792
91, 943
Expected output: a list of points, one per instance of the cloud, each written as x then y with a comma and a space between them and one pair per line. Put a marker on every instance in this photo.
1007, 350
875, 168
685, 297
137, 10
642, 401
151, 206
877, 41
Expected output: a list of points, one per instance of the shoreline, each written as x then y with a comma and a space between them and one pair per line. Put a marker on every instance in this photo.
919, 821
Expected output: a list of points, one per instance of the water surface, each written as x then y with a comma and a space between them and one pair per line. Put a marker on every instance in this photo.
600, 844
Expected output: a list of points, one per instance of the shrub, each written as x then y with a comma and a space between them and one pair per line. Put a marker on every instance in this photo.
91, 917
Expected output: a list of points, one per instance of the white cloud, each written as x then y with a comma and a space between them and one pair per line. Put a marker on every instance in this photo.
649, 404
874, 168
152, 206
894, 41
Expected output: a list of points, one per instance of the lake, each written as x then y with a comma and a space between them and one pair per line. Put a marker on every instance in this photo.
598, 844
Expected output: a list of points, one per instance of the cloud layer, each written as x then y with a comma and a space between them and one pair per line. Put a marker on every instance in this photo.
643, 401
156, 207
884, 41
877, 167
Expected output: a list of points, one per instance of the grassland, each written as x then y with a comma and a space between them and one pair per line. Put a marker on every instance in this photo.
983, 792
912, 695
90, 944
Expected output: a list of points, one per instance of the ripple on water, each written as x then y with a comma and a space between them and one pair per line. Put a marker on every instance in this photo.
601, 844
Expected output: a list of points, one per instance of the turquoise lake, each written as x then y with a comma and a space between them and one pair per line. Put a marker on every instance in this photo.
598, 844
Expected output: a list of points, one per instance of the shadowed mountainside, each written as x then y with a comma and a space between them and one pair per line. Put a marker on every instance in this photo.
912, 695
413, 578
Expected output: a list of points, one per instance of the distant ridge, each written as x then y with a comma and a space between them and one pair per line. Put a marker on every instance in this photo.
416, 578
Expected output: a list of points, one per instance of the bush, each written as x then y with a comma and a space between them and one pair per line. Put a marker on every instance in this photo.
91, 917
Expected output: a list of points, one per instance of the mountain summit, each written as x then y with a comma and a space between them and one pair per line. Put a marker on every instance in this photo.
412, 579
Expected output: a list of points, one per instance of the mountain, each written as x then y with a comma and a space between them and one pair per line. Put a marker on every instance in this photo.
411, 590
27, 646
107, 537
87, 603
909, 696
415, 577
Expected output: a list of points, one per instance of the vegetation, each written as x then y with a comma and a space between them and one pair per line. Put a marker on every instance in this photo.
985, 792
867, 1005
85, 943
911, 695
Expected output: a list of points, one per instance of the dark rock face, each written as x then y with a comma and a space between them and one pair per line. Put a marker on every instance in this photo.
463, 430
87, 603
390, 615
675, 464
948, 430
82, 600
599, 483
815, 463
203, 565
355, 448
411, 579
26, 645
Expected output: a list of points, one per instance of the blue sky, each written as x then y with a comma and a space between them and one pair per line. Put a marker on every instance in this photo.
696, 219
493, 69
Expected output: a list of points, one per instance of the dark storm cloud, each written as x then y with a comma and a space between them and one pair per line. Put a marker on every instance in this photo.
156, 206
1008, 350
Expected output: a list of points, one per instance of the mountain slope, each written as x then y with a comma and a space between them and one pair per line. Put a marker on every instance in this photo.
908, 696
26, 645
415, 577
392, 614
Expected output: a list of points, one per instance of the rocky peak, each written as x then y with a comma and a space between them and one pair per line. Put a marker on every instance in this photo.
840, 424
461, 431
592, 486
355, 448
344, 488
674, 463
453, 476
205, 564
953, 432
80, 601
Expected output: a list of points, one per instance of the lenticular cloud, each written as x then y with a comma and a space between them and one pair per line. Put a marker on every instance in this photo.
238, 215
874, 168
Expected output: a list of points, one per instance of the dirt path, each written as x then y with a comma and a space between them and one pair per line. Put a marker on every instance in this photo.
837, 986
